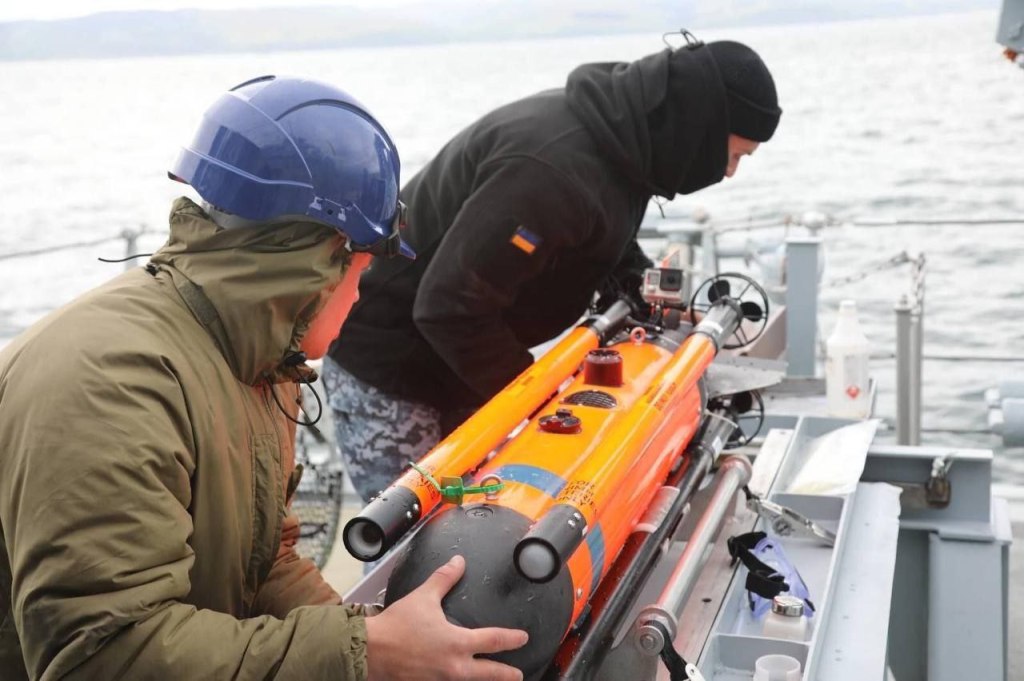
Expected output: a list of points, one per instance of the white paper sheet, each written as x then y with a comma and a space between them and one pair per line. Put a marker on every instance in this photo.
835, 460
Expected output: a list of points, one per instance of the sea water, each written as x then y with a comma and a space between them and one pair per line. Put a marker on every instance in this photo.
884, 119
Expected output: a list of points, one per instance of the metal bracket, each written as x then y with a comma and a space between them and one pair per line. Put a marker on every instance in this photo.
635, 658
786, 522
936, 492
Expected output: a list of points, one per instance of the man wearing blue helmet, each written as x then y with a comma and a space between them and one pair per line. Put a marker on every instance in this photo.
144, 496
516, 222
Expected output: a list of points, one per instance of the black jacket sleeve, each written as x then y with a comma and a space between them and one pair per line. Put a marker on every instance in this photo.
522, 215
626, 279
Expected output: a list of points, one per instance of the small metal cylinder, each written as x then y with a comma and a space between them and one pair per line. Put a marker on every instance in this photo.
802, 258
721, 321
904, 374
788, 606
611, 321
131, 247
540, 555
381, 524
917, 371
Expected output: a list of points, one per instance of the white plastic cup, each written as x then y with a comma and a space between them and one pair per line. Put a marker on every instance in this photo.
777, 668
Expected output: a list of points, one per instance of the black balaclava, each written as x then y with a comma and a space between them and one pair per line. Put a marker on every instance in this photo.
663, 119
750, 91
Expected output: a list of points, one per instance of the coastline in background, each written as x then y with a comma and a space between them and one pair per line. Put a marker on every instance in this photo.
362, 24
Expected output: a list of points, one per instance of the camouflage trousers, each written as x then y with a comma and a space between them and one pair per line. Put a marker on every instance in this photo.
377, 434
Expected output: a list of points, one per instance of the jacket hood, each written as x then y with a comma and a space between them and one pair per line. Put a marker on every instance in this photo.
663, 118
255, 289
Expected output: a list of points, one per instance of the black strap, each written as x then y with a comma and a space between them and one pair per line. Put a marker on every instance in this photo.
762, 579
204, 311
674, 662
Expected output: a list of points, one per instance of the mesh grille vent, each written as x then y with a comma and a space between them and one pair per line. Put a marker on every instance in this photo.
591, 398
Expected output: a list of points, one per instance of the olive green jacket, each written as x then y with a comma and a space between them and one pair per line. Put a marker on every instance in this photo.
145, 471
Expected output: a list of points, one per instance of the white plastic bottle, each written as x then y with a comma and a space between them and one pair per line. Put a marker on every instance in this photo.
786, 619
846, 366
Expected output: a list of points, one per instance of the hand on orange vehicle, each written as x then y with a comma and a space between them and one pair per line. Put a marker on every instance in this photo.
412, 639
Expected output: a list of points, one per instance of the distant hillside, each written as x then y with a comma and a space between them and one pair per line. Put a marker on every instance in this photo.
123, 34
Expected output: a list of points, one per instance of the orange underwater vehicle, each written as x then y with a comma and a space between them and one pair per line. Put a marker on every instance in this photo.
568, 511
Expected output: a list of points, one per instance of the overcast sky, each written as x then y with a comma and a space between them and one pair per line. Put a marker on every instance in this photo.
15, 10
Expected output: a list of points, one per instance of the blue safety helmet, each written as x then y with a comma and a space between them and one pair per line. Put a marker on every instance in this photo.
277, 147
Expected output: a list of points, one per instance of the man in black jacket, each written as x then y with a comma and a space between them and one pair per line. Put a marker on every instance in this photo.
516, 223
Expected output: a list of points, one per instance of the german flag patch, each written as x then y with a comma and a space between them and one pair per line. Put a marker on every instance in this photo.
525, 240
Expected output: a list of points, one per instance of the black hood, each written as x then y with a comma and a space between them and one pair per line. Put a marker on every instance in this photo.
662, 118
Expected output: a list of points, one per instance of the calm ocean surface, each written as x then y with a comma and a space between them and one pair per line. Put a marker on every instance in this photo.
892, 119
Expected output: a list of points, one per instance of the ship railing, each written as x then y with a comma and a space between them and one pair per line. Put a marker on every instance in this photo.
699, 239
130, 236
701, 250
